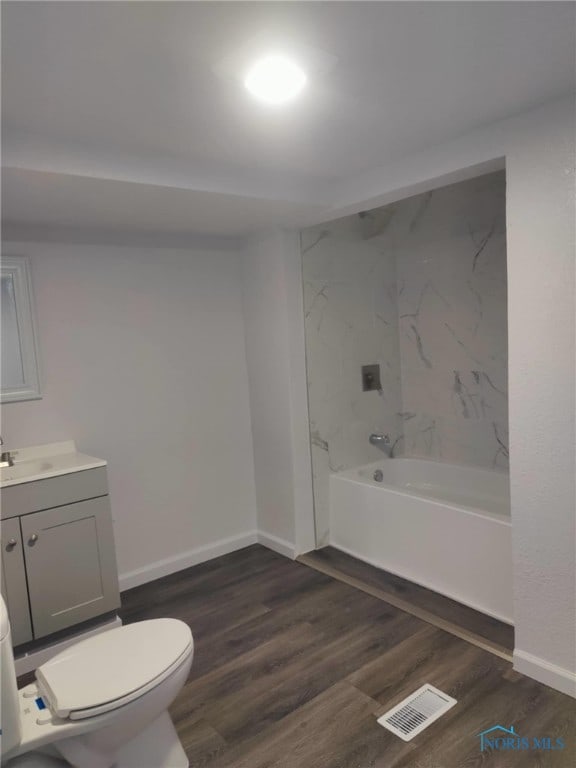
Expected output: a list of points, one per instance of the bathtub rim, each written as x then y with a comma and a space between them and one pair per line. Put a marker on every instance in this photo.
348, 475
385, 459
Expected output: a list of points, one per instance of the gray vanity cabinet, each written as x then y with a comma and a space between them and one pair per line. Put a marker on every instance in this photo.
58, 555
70, 564
14, 589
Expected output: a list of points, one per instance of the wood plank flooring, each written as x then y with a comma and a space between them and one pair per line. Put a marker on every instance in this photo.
291, 669
402, 591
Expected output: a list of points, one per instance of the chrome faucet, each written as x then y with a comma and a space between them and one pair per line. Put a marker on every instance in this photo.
6, 458
382, 442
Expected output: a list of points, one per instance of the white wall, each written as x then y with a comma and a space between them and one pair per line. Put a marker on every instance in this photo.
542, 388
143, 362
274, 321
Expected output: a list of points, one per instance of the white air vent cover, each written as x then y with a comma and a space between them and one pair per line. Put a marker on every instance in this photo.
418, 711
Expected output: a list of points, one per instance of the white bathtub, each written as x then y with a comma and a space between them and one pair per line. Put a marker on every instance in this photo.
443, 526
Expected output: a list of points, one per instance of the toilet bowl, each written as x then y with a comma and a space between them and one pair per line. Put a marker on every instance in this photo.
102, 702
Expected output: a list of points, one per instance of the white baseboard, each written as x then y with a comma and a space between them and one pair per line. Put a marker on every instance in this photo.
185, 560
281, 546
561, 679
201, 554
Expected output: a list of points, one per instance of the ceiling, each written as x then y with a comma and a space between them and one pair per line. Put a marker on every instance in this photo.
104, 99
70, 202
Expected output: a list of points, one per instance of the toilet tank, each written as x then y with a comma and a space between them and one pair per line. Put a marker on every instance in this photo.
9, 705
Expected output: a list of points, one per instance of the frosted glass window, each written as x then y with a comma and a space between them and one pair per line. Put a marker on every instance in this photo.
12, 365
19, 360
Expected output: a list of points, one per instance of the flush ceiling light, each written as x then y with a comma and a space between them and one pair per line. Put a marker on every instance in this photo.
275, 79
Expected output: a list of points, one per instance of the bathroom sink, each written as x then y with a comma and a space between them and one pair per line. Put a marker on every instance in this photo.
25, 469
43, 461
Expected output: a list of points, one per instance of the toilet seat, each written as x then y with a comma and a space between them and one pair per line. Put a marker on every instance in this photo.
107, 671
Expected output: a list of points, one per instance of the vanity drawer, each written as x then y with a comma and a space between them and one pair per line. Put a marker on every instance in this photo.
53, 492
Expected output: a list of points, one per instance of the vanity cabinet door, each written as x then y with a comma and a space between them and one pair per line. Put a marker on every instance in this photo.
14, 582
70, 564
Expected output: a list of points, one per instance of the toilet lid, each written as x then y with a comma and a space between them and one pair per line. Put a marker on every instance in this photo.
108, 670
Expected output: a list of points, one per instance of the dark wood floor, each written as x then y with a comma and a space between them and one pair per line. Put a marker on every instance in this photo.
474, 622
291, 669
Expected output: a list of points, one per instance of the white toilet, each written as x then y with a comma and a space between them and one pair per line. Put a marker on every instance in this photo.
100, 703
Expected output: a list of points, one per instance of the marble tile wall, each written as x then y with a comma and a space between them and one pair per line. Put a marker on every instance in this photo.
450, 253
418, 286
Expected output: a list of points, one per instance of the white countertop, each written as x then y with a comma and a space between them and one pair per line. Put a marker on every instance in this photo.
43, 461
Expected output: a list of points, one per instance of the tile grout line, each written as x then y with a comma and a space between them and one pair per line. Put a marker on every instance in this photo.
419, 613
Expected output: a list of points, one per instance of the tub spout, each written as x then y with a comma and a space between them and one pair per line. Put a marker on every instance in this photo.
382, 442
